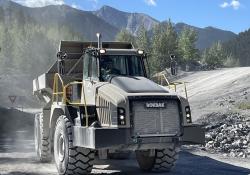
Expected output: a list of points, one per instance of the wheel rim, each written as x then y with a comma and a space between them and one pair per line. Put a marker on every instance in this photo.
61, 148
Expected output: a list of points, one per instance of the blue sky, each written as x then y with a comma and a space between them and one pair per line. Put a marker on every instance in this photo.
233, 15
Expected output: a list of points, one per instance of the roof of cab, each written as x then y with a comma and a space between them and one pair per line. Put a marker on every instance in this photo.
78, 47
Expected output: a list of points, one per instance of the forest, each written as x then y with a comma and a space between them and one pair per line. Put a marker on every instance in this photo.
164, 41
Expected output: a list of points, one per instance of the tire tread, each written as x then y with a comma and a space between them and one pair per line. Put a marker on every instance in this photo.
44, 153
80, 159
165, 159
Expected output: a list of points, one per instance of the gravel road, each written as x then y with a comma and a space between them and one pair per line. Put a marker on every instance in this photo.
217, 90
17, 157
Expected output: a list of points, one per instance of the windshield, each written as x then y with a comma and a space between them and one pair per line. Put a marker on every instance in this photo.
124, 65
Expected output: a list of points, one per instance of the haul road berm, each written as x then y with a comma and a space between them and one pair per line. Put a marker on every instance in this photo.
98, 102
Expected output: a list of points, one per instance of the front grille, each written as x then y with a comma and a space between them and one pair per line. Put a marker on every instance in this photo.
153, 121
104, 114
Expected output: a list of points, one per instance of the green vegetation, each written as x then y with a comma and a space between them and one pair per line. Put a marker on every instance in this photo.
214, 56
29, 47
238, 49
219, 56
164, 41
29, 37
244, 106
159, 46
125, 36
186, 45
142, 39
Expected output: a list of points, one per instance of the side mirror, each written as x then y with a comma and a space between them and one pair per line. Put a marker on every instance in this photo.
146, 65
173, 65
172, 70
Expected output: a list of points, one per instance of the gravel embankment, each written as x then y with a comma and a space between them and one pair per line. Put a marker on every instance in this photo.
228, 134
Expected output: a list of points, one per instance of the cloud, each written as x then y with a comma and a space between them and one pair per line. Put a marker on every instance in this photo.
225, 5
75, 6
235, 4
150, 2
39, 3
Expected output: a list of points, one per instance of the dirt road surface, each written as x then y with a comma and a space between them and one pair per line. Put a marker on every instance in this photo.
17, 157
218, 90
209, 91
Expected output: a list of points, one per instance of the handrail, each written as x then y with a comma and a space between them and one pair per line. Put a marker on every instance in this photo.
179, 83
56, 92
65, 100
77, 103
162, 77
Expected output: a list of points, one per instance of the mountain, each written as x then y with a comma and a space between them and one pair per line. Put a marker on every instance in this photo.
82, 22
132, 22
59, 16
207, 36
125, 20
29, 37
239, 48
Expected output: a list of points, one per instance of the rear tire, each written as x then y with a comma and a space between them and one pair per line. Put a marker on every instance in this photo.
42, 143
69, 159
162, 161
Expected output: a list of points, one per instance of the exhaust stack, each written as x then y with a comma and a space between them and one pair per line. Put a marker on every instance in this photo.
99, 37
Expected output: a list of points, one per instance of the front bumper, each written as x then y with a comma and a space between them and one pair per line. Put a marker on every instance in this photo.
193, 134
98, 138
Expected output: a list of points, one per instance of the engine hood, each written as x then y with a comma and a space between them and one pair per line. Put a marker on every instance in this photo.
137, 85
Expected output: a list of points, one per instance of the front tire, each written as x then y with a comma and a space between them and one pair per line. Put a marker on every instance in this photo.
69, 159
42, 143
163, 160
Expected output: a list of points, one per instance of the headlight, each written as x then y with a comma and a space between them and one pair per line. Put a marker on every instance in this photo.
140, 52
121, 116
188, 114
102, 51
121, 111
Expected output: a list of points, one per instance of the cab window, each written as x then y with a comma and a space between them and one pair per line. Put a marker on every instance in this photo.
120, 65
94, 67
86, 64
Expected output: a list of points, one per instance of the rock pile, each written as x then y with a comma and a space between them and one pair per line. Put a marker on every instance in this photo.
228, 133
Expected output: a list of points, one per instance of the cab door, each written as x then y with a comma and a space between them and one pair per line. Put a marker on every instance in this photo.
90, 78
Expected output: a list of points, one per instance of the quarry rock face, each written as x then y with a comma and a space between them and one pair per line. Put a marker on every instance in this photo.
228, 134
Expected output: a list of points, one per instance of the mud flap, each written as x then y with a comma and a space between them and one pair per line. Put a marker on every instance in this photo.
193, 134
